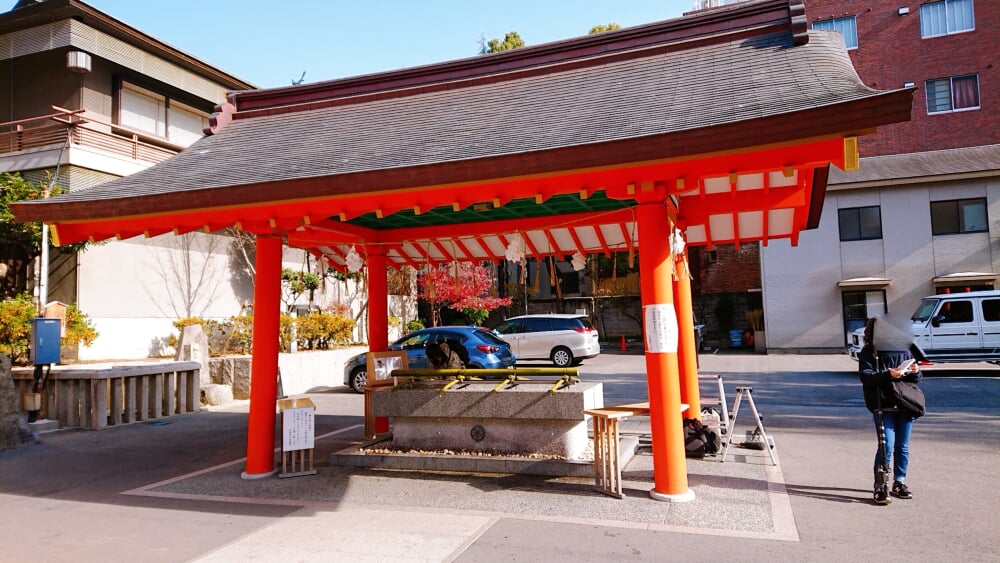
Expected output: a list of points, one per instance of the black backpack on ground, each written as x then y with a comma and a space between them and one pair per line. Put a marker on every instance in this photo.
699, 440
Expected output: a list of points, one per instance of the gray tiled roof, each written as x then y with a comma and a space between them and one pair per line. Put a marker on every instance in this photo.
921, 165
662, 93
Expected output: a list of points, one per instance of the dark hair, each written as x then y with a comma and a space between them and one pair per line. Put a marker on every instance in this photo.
870, 330
870, 334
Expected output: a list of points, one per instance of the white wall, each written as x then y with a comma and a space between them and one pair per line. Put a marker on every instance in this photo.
134, 290
309, 372
802, 302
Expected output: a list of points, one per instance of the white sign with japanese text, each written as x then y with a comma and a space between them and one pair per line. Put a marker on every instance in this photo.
298, 429
660, 328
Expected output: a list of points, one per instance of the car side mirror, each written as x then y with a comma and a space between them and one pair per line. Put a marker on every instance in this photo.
936, 321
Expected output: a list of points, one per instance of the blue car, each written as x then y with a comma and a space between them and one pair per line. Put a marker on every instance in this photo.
484, 348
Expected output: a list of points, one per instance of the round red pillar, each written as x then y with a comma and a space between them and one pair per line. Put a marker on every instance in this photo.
687, 351
662, 377
378, 315
378, 303
264, 362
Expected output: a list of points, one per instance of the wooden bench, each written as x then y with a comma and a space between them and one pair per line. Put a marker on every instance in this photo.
607, 457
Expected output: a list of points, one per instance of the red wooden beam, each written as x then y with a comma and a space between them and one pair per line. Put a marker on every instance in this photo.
402, 252
465, 250
448, 256
697, 210
556, 251
604, 243
530, 246
501, 226
576, 241
486, 248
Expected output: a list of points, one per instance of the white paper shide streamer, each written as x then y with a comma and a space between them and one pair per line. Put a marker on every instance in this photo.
677, 245
515, 249
354, 261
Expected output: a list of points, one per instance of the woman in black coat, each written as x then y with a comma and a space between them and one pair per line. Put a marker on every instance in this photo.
878, 366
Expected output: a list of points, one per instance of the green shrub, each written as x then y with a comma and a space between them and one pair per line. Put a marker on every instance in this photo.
15, 327
415, 324
319, 331
475, 316
78, 327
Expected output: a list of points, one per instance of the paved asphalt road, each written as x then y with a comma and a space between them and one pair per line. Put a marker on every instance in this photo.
62, 500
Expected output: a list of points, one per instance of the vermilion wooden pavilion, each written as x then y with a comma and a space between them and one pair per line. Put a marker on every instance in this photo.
723, 124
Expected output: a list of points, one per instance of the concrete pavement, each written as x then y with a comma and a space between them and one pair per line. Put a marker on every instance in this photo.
171, 492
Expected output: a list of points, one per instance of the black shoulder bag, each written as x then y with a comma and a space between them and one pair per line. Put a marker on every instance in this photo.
909, 398
907, 395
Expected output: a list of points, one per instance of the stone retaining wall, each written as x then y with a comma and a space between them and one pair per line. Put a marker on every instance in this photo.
301, 372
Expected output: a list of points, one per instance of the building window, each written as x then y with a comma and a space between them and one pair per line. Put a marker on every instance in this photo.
958, 216
945, 17
848, 27
860, 223
146, 111
957, 93
858, 307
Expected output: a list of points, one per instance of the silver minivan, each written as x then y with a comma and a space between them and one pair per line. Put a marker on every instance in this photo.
563, 339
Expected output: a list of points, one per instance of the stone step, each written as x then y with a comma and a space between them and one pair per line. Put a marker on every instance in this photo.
44, 425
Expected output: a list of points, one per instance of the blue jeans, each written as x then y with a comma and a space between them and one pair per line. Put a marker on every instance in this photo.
897, 442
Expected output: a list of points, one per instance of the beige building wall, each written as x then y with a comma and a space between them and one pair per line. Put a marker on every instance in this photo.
802, 302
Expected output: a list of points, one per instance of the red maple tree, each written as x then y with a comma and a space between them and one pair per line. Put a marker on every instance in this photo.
465, 287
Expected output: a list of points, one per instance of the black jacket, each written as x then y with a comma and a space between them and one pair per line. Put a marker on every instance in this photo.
875, 379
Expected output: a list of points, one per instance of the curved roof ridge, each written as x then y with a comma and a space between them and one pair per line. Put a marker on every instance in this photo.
707, 26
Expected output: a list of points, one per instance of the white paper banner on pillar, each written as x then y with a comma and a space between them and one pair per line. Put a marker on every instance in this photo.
660, 328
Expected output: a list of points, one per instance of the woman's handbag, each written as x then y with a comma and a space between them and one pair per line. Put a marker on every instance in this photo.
909, 398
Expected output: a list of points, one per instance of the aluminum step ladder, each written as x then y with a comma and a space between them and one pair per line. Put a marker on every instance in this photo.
720, 402
747, 392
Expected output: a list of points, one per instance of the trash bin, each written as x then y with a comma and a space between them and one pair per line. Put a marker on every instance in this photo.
735, 338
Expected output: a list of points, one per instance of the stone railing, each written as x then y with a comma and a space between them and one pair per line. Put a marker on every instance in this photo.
99, 395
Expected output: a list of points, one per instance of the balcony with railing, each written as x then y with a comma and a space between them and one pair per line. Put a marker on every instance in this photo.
81, 128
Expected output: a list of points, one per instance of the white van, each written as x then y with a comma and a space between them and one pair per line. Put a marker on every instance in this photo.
953, 327
565, 340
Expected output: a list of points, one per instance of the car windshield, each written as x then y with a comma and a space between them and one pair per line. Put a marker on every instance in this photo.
415, 340
925, 310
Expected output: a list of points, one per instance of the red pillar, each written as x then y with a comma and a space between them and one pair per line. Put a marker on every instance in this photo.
264, 363
378, 302
378, 315
660, 331
687, 352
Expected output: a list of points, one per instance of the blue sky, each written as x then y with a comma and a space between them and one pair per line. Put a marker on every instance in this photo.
272, 43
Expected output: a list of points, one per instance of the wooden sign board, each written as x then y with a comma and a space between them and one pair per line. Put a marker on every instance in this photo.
381, 365
298, 428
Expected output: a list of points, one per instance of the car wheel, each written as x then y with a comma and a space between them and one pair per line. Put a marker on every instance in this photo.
562, 357
359, 378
